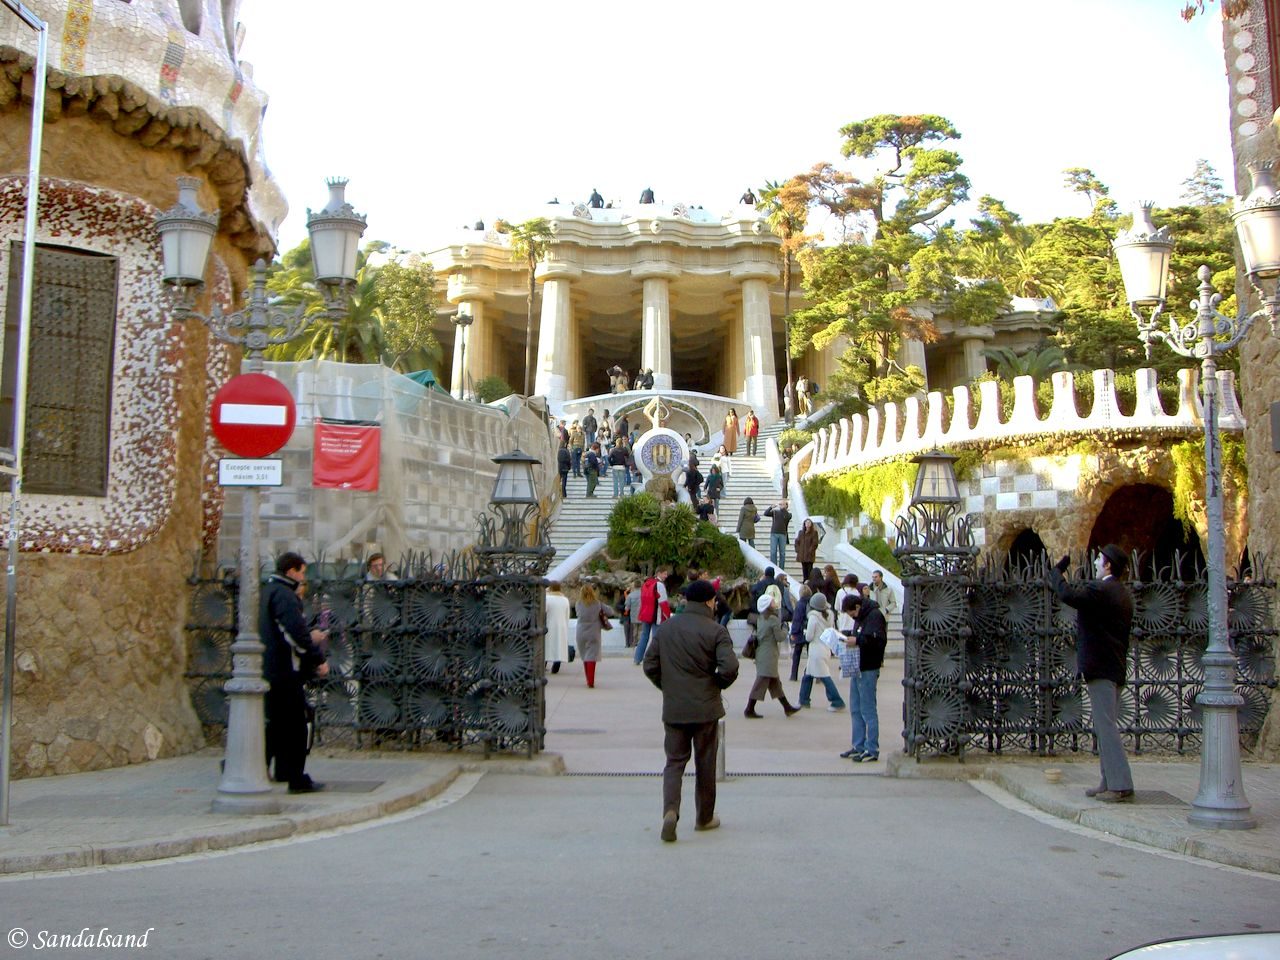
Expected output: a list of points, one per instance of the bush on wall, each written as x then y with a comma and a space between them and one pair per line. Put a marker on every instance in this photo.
645, 534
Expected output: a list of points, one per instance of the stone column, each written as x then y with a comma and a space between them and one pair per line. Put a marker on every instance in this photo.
972, 342
760, 387
552, 363
911, 354
655, 337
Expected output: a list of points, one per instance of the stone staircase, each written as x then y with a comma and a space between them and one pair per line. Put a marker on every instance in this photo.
749, 477
579, 519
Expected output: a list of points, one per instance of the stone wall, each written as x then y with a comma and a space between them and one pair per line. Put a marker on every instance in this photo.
1253, 137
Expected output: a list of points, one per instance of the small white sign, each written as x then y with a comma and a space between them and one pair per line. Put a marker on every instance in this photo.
250, 473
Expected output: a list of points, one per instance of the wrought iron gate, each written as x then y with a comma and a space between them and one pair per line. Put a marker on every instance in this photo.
990, 660
452, 653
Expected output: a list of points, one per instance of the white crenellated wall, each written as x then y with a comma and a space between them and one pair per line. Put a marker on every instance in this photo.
890, 431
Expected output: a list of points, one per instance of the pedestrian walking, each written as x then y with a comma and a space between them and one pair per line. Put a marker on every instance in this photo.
631, 615
799, 622
693, 483
807, 547
563, 463
820, 649
866, 636
691, 661
1104, 616
715, 485
577, 442
770, 636
557, 639
589, 425
778, 530
592, 467
655, 607
751, 430
883, 595
731, 432
747, 517
292, 655
593, 618
618, 468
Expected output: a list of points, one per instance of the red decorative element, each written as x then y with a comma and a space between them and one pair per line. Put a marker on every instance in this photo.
253, 415
346, 457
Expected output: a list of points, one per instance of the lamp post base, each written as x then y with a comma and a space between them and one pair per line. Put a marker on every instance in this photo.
250, 804
1221, 803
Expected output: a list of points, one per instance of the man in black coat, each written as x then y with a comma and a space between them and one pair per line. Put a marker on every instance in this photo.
861, 661
292, 656
691, 660
1104, 612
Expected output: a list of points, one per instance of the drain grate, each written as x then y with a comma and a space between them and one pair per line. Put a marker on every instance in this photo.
577, 731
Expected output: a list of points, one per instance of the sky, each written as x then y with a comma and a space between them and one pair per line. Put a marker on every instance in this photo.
444, 114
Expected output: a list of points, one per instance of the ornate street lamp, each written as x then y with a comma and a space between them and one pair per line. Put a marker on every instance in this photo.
934, 538
514, 540
186, 234
1143, 253
462, 321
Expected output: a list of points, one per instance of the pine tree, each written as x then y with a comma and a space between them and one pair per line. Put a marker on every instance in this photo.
1204, 187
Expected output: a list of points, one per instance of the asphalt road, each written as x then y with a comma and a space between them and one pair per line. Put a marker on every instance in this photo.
572, 867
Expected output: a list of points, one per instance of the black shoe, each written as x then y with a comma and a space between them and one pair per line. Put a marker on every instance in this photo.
851, 755
865, 758
306, 786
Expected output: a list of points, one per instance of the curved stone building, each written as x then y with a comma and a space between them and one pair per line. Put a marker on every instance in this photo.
117, 498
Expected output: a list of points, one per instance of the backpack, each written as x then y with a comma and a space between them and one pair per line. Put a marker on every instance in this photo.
649, 601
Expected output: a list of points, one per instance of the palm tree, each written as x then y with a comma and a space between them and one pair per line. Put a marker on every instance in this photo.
356, 337
529, 242
786, 206
1036, 364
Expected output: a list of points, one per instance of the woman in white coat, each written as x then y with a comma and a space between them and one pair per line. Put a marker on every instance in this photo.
817, 668
557, 640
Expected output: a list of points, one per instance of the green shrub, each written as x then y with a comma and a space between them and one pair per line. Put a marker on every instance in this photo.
717, 552
842, 496
489, 389
645, 534
878, 550
794, 435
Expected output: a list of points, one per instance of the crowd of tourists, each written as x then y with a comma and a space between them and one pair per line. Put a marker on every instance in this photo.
832, 623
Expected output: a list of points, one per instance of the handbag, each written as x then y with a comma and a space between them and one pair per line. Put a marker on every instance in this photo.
749, 648
605, 622
573, 652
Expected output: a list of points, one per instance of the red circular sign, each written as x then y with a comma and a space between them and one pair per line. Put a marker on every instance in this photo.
253, 415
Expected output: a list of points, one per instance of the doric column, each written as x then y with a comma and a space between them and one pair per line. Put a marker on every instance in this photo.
972, 342
911, 354
552, 365
655, 335
760, 386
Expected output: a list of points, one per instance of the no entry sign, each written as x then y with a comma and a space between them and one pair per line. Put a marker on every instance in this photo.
253, 415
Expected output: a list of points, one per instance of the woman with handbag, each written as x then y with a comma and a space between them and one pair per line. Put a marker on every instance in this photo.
557, 640
593, 617
747, 518
768, 638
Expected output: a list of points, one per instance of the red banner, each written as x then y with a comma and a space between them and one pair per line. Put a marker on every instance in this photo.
346, 457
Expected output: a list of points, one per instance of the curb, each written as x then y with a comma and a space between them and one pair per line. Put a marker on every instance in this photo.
413, 792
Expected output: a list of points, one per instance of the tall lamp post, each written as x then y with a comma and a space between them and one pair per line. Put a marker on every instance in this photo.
186, 234
462, 321
1143, 253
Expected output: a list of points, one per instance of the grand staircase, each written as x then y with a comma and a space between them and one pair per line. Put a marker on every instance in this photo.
579, 519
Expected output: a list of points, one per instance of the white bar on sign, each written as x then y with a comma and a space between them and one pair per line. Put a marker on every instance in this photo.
254, 413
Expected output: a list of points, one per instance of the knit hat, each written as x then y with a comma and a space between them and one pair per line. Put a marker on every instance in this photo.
765, 603
700, 592
818, 602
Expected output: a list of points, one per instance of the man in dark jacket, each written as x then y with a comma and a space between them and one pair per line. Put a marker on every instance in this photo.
292, 656
778, 532
860, 661
691, 660
564, 462
799, 621
1104, 614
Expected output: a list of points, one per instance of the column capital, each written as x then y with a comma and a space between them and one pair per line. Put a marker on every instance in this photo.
974, 333
558, 271
768, 272
463, 287
655, 270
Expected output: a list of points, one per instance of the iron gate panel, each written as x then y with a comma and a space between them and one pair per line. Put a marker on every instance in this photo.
991, 665
453, 654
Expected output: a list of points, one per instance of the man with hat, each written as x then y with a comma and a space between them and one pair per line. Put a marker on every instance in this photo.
1104, 614
691, 660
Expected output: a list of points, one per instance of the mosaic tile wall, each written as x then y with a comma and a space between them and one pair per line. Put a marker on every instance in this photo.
184, 60
148, 364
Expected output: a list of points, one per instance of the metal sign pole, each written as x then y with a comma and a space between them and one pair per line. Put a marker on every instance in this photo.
20, 392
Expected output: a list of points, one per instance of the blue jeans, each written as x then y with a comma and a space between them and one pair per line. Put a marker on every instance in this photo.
645, 630
576, 454
833, 692
862, 711
778, 549
619, 480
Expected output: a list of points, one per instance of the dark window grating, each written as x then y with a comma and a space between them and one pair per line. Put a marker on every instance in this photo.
73, 325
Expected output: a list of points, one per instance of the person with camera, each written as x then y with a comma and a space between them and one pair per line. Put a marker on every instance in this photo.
292, 656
